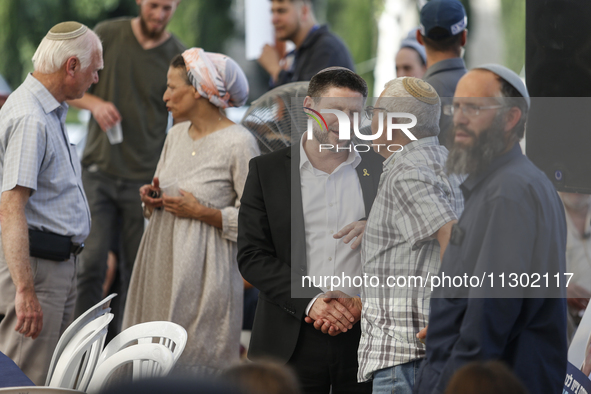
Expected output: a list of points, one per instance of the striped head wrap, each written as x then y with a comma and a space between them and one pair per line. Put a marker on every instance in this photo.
216, 77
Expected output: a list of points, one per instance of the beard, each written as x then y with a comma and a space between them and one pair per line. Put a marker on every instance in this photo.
290, 35
323, 138
152, 34
474, 159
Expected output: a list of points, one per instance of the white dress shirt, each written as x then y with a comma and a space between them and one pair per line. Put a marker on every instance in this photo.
330, 202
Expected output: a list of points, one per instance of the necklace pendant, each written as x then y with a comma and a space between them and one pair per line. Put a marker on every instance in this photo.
193, 154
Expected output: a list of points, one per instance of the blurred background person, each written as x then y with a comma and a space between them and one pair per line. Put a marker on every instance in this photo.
443, 33
578, 255
186, 270
411, 58
492, 377
586, 367
172, 384
262, 378
138, 52
4, 91
316, 47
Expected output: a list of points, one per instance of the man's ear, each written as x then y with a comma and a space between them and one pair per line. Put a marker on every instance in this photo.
464, 38
305, 11
420, 38
511, 118
71, 65
308, 102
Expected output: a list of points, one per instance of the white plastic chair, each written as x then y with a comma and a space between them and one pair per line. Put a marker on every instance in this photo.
158, 357
98, 310
79, 358
38, 390
166, 333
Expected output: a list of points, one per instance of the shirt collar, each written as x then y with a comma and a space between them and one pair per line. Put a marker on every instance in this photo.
427, 141
46, 99
473, 180
445, 65
353, 158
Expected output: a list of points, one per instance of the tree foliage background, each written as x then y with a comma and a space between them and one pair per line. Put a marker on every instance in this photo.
210, 24
24, 23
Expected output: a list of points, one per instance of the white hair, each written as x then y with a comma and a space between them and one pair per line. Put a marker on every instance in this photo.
51, 55
427, 114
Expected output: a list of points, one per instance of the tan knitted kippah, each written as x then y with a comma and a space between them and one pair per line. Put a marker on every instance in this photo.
66, 31
421, 90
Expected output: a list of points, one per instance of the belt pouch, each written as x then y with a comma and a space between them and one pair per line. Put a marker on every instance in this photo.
49, 246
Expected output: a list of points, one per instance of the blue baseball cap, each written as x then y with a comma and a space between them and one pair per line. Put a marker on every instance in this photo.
449, 15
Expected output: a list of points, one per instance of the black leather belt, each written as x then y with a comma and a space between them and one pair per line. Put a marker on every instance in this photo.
50, 246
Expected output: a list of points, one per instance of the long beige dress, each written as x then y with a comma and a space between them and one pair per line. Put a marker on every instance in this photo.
186, 270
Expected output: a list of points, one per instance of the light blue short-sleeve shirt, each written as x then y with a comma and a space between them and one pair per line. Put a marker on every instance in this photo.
35, 152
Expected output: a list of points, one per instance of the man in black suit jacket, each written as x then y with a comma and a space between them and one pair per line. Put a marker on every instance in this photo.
272, 246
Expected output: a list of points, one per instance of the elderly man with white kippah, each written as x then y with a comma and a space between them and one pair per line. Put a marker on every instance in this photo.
510, 241
44, 213
406, 234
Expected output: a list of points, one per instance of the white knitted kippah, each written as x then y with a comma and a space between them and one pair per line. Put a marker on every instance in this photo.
66, 31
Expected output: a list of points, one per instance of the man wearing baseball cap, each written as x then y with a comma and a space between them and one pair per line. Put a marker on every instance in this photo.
513, 227
443, 33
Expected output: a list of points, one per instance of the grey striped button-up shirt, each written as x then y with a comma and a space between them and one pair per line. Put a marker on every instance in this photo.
35, 152
415, 199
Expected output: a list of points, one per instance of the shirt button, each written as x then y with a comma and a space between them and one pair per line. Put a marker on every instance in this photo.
330, 259
330, 232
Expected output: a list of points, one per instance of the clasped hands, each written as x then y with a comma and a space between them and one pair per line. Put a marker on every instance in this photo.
338, 312
334, 312
185, 206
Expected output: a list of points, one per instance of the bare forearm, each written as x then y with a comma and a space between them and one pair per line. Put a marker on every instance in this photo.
15, 242
443, 235
211, 216
104, 112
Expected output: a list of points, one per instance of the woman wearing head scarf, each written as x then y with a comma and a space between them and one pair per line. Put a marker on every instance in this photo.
186, 270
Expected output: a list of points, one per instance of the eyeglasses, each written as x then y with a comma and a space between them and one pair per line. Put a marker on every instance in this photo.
469, 110
370, 110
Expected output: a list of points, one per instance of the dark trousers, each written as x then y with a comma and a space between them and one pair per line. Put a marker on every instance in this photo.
113, 202
321, 361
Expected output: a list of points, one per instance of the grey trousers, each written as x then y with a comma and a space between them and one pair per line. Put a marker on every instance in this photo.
55, 285
115, 208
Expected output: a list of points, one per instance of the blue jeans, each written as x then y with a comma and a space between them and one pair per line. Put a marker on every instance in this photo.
399, 379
